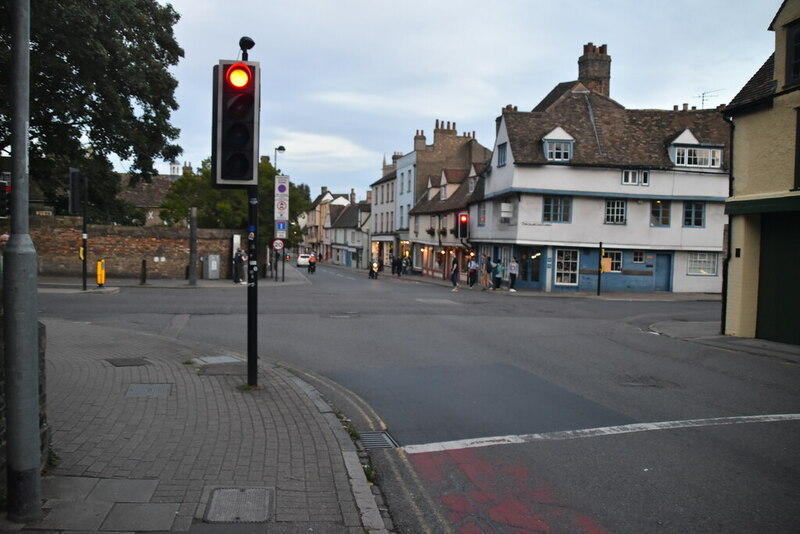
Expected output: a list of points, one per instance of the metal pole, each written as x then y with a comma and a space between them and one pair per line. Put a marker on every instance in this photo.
283, 272
599, 267
193, 247
85, 229
21, 321
252, 287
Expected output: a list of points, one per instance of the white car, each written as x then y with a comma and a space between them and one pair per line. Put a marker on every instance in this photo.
302, 259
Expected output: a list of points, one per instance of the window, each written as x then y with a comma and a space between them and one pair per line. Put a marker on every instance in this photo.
567, 267
694, 214
482, 214
698, 157
615, 211
659, 212
702, 263
416, 225
635, 177
638, 256
501, 154
616, 260
793, 53
630, 177
558, 150
557, 209
401, 217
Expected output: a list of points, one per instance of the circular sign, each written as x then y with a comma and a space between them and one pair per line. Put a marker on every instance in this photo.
277, 244
282, 205
282, 188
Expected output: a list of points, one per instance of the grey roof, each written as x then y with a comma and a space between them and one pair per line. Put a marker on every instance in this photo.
607, 134
759, 88
348, 218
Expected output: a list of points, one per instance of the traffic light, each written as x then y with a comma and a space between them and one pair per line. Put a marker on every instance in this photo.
237, 103
463, 225
5, 199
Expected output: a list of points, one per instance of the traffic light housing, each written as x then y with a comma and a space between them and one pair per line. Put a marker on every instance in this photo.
5, 199
235, 123
463, 225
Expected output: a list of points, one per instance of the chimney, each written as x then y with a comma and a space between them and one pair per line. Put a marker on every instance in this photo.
675, 107
324, 189
685, 106
369, 196
352, 196
419, 141
594, 69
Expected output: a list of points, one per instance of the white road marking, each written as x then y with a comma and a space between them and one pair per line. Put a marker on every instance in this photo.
595, 432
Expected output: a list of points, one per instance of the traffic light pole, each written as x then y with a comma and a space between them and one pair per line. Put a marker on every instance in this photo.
252, 287
23, 448
85, 229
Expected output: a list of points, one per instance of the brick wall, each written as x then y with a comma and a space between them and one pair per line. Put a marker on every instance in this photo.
166, 249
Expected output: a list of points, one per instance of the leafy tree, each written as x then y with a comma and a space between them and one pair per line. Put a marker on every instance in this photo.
100, 85
228, 208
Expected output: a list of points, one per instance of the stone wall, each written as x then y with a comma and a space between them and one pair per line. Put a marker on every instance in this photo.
165, 249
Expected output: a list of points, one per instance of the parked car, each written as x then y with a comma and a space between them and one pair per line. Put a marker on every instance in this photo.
302, 260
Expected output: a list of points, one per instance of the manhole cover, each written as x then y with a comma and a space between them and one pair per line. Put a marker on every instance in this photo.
238, 505
151, 391
377, 440
126, 362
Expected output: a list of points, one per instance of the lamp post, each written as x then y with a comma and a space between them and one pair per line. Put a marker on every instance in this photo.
278, 150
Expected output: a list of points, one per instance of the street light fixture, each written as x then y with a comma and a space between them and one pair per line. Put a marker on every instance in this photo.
278, 150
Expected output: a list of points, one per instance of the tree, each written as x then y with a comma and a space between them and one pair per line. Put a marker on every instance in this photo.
228, 208
100, 85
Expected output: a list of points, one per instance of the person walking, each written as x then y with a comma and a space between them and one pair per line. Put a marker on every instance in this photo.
498, 274
454, 274
238, 266
513, 271
486, 272
472, 271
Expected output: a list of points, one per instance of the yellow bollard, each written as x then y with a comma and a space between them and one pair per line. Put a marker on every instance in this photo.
101, 272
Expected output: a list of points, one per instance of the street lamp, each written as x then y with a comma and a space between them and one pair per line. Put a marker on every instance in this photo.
278, 150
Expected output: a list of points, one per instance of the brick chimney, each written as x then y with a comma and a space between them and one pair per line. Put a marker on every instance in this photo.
594, 69
419, 141
352, 196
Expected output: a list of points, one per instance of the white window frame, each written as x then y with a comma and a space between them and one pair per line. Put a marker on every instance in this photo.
630, 177
690, 208
702, 263
568, 262
482, 214
616, 211
689, 156
616, 260
558, 150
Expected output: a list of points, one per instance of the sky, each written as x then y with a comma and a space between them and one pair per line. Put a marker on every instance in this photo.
347, 83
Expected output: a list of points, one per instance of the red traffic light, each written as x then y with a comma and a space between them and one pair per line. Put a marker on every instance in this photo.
463, 218
238, 75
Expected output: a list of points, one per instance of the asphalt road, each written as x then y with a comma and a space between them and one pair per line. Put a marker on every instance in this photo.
439, 370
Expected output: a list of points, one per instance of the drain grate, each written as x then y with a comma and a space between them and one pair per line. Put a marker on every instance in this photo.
377, 440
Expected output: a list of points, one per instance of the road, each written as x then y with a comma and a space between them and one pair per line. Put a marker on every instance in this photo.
490, 397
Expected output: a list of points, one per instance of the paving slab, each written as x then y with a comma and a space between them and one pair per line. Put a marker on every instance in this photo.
74, 515
121, 490
141, 517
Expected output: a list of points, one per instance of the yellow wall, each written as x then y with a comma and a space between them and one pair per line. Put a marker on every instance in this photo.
764, 145
743, 276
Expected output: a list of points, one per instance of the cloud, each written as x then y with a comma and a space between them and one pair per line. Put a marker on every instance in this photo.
306, 151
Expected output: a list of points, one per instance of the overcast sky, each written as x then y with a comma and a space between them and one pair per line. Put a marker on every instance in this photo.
345, 83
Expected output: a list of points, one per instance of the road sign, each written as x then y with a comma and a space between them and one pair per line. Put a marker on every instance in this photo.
277, 244
281, 209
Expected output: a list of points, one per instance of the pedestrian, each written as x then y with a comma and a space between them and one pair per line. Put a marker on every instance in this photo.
486, 272
454, 274
513, 271
472, 271
406, 264
498, 273
238, 266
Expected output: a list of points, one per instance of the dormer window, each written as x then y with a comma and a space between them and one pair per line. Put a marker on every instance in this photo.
443, 193
793, 53
558, 146
687, 151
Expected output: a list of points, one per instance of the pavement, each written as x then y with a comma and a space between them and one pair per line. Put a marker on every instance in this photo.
151, 434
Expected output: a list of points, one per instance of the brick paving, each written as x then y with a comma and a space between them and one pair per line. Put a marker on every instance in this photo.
171, 430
